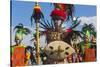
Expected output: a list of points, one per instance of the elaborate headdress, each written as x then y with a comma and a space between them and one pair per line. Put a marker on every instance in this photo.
62, 11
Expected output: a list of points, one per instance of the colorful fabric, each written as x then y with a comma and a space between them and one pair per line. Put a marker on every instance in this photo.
89, 55
18, 56
60, 13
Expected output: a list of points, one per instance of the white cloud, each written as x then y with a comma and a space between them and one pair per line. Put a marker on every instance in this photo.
89, 20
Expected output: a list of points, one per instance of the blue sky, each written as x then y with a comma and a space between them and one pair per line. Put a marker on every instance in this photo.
21, 11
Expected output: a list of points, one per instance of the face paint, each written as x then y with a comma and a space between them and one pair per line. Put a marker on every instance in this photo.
57, 23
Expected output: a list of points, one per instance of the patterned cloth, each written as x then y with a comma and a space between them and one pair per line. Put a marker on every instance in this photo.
18, 56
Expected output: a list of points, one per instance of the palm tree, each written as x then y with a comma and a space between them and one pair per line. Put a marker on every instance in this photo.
20, 32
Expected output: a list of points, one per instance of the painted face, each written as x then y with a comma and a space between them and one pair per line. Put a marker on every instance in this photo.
58, 22
86, 39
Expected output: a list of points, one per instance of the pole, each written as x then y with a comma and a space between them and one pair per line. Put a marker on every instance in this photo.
38, 42
37, 15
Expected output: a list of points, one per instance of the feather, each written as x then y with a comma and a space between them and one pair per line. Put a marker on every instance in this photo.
43, 25
31, 20
68, 8
75, 25
19, 26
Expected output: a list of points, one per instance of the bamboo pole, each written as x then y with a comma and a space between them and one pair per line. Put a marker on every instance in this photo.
36, 8
38, 42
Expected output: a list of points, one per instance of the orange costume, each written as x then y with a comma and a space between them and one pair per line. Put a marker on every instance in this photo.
18, 56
